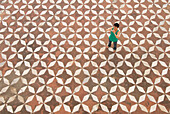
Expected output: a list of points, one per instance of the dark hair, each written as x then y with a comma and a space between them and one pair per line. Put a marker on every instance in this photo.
116, 25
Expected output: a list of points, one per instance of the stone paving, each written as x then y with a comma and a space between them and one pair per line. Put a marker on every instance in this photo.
53, 57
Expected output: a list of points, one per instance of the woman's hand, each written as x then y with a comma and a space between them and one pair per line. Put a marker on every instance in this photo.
109, 29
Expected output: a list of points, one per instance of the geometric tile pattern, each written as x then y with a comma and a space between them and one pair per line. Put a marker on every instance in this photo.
53, 56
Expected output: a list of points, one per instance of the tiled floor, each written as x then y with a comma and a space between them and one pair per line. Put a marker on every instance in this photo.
53, 57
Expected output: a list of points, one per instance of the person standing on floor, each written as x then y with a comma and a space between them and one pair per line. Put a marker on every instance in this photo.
115, 33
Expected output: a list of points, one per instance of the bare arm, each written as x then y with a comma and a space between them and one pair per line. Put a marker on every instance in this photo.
118, 34
109, 29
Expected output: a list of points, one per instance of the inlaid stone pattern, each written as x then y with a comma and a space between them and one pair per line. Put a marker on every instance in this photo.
53, 57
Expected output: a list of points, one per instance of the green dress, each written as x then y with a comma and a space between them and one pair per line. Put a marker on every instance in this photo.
112, 37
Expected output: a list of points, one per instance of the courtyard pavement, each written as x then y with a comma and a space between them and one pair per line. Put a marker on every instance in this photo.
53, 57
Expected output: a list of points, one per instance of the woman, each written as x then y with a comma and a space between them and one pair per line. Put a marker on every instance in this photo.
115, 33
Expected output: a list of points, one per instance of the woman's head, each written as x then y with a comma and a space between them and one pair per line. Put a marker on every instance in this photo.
116, 25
